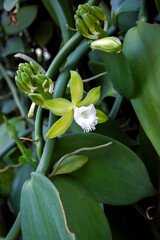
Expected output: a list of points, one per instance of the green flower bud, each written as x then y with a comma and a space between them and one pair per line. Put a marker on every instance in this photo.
98, 13
37, 99
28, 70
46, 85
80, 26
21, 85
86, 7
108, 44
88, 20
35, 67
20, 66
19, 73
26, 79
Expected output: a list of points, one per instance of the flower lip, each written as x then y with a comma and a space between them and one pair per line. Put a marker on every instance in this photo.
86, 117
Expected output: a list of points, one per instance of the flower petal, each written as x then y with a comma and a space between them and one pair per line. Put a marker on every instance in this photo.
76, 87
102, 117
60, 125
92, 97
58, 106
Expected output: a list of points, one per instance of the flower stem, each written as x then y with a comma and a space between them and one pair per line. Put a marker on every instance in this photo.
14, 91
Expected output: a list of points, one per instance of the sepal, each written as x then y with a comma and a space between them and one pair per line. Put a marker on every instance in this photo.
59, 106
102, 117
92, 97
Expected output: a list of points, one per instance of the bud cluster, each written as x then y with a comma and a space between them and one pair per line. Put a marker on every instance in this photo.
91, 21
30, 80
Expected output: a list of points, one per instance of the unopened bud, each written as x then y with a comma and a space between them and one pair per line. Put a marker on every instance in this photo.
28, 70
98, 13
88, 20
108, 44
37, 98
19, 73
21, 85
26, 79
46, 85
80, 26
35, 67
20, 66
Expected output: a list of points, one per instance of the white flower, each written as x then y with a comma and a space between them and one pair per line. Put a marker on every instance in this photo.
86, 117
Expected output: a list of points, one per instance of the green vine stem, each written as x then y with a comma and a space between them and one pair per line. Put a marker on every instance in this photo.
13, 90
39, 131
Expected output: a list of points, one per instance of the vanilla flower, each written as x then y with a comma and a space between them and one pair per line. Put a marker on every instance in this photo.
86, 117
82, 111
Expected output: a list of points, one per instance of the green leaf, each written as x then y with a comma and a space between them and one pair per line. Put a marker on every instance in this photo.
101, 116
26, 15
70, 164
59, 106
9, 4
91, 222
142, 49
42, 213
60, 125
14, 45
121, 6
14, 199
76, 87
92, 97
43, 33
115, 175
20, 126
119, 72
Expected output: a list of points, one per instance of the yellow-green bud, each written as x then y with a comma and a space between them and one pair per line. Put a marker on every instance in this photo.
86, 7
26, 79
46, 85
98, 13
108, 44
37, 98
21, 85
28, 70
20, 66
80, 26
19, 73
88, 20
35, 67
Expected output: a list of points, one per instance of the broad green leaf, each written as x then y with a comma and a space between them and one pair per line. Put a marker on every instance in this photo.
14, 199
121, 6
8, 106
127, 20
76, 87
119, 72
9, 4
42, 213
84, 215
115, 175
43, 33
6, 179
60, 125
101, 116
92, 97
59, 106
14, 45
20, 126
25, 16
103, 81
70, 164
142, 49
